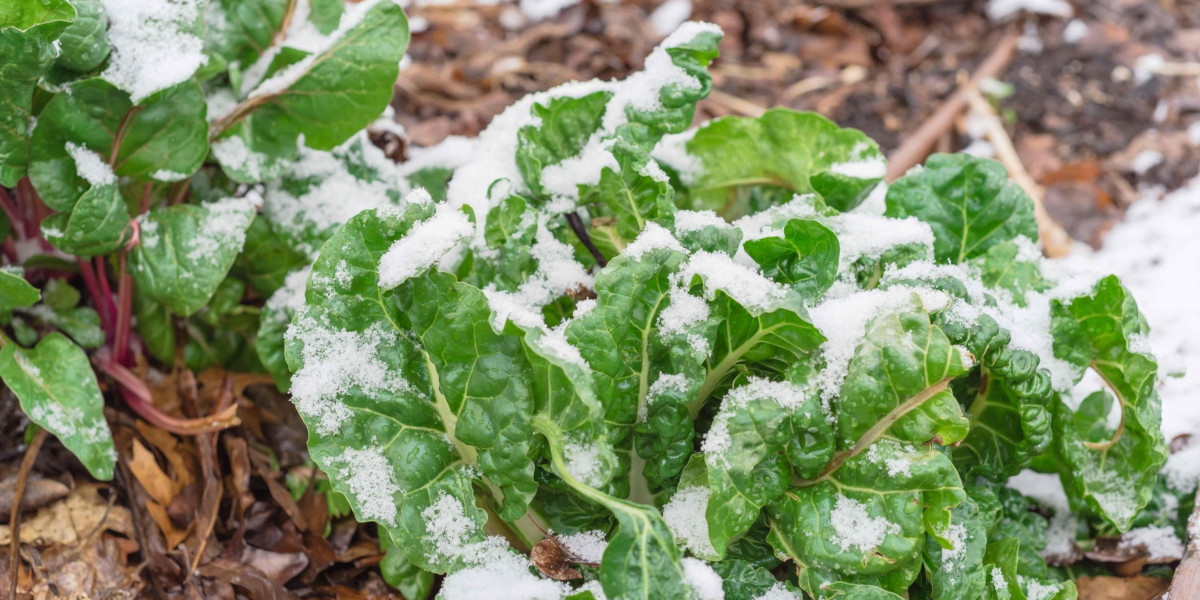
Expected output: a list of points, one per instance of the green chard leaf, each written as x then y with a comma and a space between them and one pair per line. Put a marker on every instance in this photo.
805, 257
28, 30
98, 223
15, 292
326, 97
969, 202
747, 163
57, 389
163, 139
1113, 470
186, 251
83, 45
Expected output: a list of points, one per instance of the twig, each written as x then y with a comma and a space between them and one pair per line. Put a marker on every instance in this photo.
1186, 584
737, 105
1056, 243
1176, 69
14, 521
921, 142
581, 232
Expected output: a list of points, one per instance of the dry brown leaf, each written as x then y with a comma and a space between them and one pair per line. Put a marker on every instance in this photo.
156, 483
1121, 588
69, 520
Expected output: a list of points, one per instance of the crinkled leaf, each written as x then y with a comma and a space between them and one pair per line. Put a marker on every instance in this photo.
635, 193
804, 257
969, 202
1005, 267
57, 389
763, 434
564, 125
266, 258
1008, 402
957, 571
897, 382
749, 162
1115, 471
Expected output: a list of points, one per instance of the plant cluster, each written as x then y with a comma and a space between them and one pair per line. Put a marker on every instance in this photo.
593, 353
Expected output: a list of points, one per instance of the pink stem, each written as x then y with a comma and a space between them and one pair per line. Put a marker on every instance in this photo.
124, 312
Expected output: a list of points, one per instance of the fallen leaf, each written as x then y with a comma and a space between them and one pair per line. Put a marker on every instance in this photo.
1121, 588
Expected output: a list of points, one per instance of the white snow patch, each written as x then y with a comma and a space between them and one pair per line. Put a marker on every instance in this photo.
999, 10
670, 15
703, 580
153, 47
424, 246
90, 166
685, 516
854, 527
372, 483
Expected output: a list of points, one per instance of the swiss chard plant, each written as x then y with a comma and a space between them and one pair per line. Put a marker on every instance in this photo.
592, 353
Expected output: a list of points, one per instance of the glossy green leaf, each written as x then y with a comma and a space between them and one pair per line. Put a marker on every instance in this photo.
805, 257
327, 97
186, 250
1114, 472
15, 292
57, 389
28, 30
163, 137
781, 153
564, 126
636, 193
969, 202
83, 45
98, 223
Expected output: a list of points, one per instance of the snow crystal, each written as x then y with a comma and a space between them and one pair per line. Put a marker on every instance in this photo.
671, 150
669, 15
584, 462
999, 10
843, 321
745, 285
557, 272
555, 342
165, 175
695, 220
284, 78
652, 237
1158, 542
1153, 252
703, 580
859, 166
684, 311
289, 298
863, 235
425, 245
561, 179
494, 570
957, 535
451, 153
779, 591
583, 307
587, 546
233, 153
223, 228
854, 527
685, 516
336, 194
999, 584
1036, 590
653, 171
861, 169
371, 482
882, 452
153, 47
1182, 470
339, 362
90, 166
718, 438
